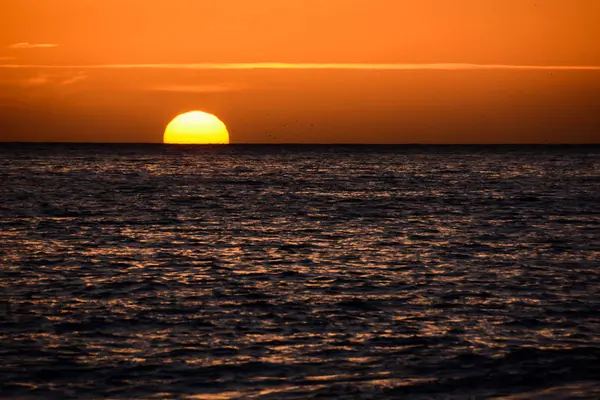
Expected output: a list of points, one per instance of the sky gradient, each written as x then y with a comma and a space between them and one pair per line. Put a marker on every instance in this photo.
302, 71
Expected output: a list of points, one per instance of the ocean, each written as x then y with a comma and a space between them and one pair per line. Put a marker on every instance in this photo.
299, 272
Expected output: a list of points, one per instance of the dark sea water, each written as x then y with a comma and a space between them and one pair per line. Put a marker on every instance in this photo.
292, 272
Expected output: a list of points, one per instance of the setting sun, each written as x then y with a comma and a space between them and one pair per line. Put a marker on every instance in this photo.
196, 127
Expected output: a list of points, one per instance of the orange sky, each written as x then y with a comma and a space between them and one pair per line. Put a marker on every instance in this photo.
90, 70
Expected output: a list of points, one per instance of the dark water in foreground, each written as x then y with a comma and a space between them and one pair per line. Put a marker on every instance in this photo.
299, 272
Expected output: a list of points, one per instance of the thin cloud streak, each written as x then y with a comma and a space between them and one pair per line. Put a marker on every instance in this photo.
318, 66
26, 45
46, 79
39, 80
197, 88
74, 79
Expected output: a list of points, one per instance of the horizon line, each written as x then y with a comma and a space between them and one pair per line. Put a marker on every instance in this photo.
316, 66
315, 143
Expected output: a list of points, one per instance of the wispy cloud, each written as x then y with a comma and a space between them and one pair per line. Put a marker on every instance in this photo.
37, 80
319, 66
73, 79
26, 45
6, 58
217, 88
44, 79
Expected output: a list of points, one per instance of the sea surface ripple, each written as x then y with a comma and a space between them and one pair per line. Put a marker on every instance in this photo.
289, 272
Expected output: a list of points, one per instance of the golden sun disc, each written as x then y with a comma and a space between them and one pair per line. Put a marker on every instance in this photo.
196, 127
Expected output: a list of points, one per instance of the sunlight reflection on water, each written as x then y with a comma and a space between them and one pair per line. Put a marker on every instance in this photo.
274, 272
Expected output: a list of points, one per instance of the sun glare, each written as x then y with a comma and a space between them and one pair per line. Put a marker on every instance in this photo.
196, 127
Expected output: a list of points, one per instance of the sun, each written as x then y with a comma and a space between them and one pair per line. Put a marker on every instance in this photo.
196, 127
